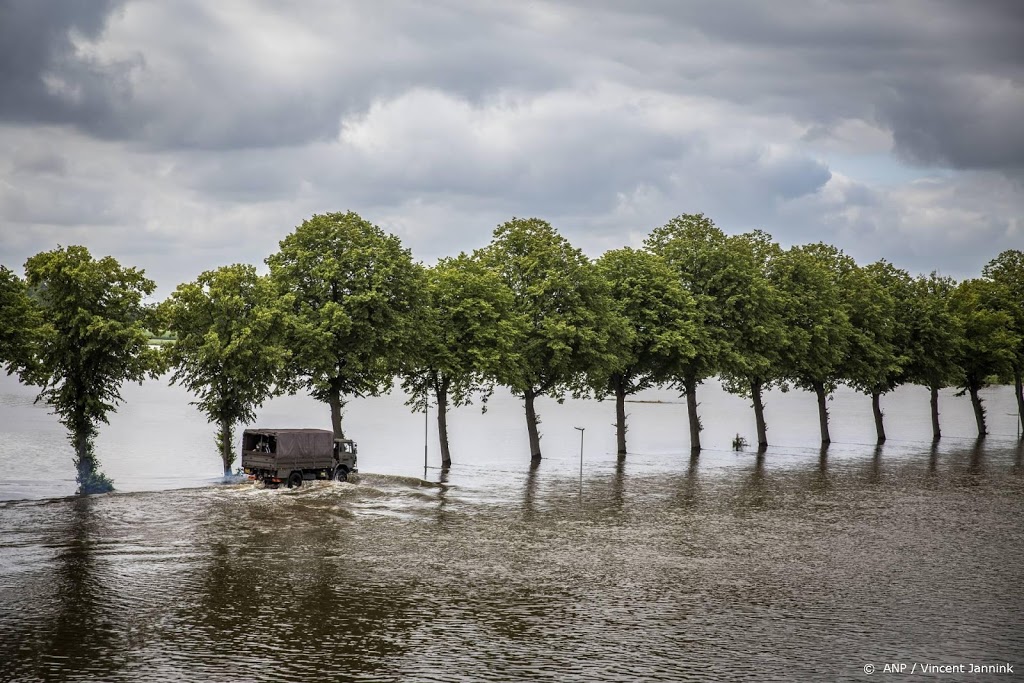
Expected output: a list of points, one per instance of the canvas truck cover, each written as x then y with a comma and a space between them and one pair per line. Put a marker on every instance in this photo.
293, 442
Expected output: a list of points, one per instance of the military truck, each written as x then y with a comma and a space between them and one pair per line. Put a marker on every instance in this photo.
291, 456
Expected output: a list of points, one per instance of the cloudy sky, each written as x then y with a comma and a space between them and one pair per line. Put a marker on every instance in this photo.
180, 136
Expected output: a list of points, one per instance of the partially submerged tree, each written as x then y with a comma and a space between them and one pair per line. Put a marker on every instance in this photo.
569, 318
1007, 271
354, 292
757, 333
935, 339
658, 313
466, 334
92, 339
988, 341
698, 252
878, 299
230, 327
818, 322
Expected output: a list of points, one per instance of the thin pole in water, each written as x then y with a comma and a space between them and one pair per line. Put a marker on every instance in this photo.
426, 421
581, 457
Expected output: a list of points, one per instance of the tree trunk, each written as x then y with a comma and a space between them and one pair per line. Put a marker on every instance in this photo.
876, 409
531, 426
90, 479
762, 428
690, 383
441, 389
936, 432
979, 410
226, 437
84, 462
336, 403
819, 391
620, 416
1018, 389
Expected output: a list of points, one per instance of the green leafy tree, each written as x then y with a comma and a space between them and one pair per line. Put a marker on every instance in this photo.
989, 342
818, 321
658, 315
878, 299
20, 321
697, 251
1007, 272
466, 334
354, 293
91, 340
756, 331
935, 340
568, 317
230, 328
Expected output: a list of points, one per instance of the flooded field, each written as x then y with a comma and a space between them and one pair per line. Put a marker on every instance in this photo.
798, 565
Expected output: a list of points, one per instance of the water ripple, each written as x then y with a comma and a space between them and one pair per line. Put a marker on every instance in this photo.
753, 572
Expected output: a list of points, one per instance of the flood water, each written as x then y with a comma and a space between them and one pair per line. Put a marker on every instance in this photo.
798, 565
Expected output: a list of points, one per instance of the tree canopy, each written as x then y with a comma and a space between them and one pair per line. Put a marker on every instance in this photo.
989, 342
698, 252
818, 321
757, 332
1007, 272
658, 314
354, 292
877, 300
569, 320
934, 341
466, 335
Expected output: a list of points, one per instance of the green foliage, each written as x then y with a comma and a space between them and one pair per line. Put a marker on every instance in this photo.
568, 319
91, 339
878, 300
229, 351
935, 333
1006, 271
20, 321
695, 249
466, 333
658, 314
989, 342
756, 331
355, 290
817, 319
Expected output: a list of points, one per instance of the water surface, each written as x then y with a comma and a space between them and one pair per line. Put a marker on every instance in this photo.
799, 565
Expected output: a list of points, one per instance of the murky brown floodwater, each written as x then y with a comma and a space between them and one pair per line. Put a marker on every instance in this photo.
731, 568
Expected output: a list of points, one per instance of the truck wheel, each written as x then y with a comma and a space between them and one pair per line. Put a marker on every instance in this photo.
295, 480
341, 473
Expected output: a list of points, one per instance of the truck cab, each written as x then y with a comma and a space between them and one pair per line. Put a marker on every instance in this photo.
345, 457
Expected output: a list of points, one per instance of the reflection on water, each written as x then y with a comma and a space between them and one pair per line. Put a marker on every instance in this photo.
768, 567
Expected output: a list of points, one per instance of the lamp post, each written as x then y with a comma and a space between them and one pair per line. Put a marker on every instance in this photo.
426, 422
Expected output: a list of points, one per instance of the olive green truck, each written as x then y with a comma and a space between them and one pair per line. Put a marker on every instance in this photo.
291, 456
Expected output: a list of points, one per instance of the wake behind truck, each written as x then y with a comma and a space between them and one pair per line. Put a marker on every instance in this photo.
291, 456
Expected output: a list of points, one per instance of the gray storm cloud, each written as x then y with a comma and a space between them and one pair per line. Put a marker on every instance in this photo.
130, 124
947, 78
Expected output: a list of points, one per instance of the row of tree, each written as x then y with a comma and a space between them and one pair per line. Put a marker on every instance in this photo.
345, 309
